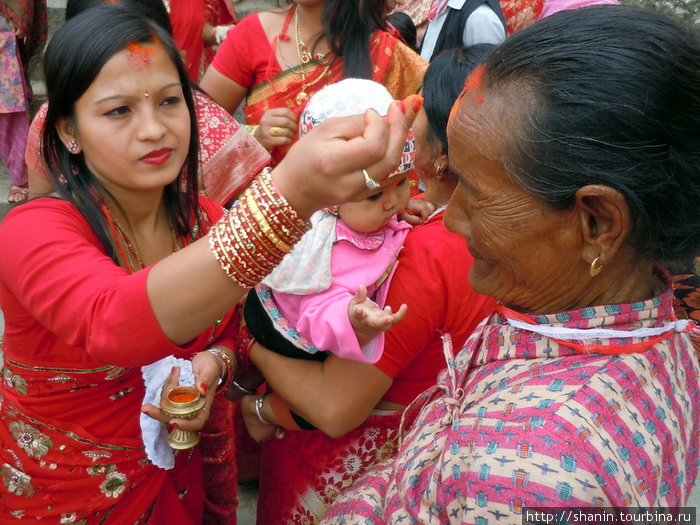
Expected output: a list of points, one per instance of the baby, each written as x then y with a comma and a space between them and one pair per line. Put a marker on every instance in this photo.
328, 294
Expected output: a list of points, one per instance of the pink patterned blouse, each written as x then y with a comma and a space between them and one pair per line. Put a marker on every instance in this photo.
525, 416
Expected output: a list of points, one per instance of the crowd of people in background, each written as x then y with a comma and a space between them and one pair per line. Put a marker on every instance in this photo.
507, 320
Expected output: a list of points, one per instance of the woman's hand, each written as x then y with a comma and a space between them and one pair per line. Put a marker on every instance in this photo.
257, 429
324, 167
207, 371
277, 128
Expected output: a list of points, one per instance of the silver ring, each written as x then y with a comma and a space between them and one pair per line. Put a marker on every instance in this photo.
369, 181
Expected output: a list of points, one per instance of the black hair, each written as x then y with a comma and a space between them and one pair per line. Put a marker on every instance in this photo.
73, 59
152, 9
443, 82
609, 95
348, 25
405, 26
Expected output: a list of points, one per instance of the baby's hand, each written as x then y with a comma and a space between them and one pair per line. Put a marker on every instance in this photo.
417, 211
368, 319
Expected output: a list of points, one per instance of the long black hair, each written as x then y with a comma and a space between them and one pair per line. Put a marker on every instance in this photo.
609, 95
348, 26
73, 59
152, 9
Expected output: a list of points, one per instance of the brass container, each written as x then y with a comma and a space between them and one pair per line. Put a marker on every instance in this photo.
183, 402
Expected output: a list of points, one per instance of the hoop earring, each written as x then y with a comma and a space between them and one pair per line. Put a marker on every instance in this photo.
595, 269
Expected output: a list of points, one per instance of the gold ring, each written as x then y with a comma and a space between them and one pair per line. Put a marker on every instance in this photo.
369, 181
276, 131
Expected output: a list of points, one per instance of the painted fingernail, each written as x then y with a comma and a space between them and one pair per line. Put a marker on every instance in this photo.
417, 103
401, 106
173, 370
205, 387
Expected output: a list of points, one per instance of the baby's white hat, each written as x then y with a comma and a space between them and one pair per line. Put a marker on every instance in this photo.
353, 96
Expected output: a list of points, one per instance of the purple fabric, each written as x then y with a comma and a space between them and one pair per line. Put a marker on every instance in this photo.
13, 138
554, 6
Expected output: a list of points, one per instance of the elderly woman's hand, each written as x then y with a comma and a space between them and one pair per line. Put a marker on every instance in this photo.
325, 167
277, 128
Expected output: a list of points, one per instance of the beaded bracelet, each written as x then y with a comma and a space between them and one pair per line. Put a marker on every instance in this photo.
259, 402
227, 375
258, 231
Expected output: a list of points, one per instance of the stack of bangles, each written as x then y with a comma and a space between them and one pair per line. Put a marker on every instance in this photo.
257, 232
227, 374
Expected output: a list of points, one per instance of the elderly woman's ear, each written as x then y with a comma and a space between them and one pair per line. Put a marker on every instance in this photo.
605, 222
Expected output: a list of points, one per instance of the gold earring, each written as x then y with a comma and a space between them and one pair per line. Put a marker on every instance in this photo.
595, 269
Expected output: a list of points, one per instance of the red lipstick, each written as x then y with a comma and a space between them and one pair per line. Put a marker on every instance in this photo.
157, 157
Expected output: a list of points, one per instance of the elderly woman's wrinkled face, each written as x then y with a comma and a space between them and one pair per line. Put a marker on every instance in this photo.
522, 248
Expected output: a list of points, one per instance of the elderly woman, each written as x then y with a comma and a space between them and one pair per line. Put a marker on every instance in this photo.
576, 145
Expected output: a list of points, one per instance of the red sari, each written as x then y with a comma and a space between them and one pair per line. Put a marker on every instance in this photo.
394, 65
77, 329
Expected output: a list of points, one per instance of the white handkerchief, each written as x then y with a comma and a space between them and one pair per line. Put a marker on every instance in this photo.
153, 432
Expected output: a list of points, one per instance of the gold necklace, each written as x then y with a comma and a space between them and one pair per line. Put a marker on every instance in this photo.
121, 237
304, 59
304, 55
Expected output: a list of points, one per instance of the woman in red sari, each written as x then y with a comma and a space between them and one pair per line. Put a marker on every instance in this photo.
126, 265
277, 59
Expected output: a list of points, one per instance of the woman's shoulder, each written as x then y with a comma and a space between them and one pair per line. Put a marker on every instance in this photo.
45, 217
47, 210
272, 21
49, 205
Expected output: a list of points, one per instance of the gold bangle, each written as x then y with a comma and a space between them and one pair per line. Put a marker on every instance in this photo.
227, 360
265, 226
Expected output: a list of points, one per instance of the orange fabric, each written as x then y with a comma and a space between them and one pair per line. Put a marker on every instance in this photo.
282, 412
520, 13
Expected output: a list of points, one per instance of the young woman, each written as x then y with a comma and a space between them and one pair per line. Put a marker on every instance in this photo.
277, 59
126, 265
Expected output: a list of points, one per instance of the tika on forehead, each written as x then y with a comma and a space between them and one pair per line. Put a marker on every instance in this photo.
474, 83
140, 56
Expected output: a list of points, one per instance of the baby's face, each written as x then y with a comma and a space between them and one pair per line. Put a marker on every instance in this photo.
374, 212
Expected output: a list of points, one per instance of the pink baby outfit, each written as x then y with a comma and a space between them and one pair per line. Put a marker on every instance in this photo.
319, 321
307, 296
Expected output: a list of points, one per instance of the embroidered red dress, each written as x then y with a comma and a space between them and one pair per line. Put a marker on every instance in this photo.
77, 329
